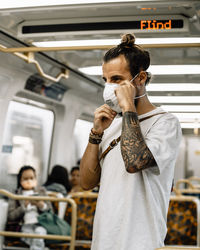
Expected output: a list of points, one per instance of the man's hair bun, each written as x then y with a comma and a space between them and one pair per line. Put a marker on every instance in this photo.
137, 58
127, 41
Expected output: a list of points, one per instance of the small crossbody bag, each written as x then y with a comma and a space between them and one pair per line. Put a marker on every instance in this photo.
116, 141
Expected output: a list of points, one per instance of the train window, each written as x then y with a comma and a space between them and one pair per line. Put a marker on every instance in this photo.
27, 138
81, 134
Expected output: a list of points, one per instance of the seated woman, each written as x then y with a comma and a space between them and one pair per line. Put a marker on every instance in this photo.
26, 212
58, 181
75, 180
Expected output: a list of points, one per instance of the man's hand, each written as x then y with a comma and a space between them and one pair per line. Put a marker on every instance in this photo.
103, 117
126, 93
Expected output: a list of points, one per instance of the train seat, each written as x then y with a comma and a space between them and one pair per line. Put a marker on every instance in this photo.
86, 205
183, 221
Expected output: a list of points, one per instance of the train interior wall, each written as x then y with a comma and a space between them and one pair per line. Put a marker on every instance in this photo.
13, 74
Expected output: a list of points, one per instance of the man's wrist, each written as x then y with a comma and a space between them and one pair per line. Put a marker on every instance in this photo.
129, 108
95, 132
94, 137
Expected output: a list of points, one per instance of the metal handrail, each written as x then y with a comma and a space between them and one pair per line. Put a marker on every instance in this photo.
93, 47
44, 198
191, 189
84, 194
29, 57
195, 179
184, 181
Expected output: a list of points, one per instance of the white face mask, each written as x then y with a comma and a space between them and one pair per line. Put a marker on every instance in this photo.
110, 97
29, 184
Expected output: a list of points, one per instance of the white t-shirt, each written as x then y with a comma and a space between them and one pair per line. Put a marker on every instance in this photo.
132, 208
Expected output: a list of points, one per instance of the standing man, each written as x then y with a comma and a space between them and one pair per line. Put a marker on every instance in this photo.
136, 175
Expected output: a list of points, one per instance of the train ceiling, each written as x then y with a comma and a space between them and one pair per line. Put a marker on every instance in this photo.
97, 20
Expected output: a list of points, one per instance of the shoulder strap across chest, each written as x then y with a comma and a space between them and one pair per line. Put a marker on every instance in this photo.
116, 141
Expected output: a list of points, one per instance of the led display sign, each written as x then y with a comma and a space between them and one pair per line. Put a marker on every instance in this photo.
143, 25
155, 25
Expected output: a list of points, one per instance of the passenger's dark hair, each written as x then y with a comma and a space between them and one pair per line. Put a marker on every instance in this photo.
59, 174
137, 58
19, 176
74, 169
78, 162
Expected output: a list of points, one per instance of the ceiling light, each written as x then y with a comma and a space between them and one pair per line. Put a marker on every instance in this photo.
173, 87
168, 40
92, 70
36, 3
174, 69
188, 116
113, 42
174, 99
190, 125
75, 43
154, 69
181, 108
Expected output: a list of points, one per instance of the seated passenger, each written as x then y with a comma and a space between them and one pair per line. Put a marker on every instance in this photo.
25, 211
58, 180
75, 180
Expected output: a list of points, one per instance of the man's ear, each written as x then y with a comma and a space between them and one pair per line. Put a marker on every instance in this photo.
142, 77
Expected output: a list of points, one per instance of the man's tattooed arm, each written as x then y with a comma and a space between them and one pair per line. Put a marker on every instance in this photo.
135, 152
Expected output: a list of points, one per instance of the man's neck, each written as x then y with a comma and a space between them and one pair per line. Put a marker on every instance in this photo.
144, 106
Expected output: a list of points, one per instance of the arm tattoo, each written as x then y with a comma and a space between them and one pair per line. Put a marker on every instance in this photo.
135, 152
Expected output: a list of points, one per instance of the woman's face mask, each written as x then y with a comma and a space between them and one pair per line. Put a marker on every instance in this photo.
29, 184
110, 97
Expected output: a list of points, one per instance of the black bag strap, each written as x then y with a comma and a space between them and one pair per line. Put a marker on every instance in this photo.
116, 141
